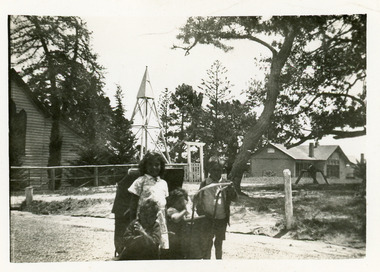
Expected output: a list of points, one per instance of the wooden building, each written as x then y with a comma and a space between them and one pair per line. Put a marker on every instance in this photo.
272, 159
30, 127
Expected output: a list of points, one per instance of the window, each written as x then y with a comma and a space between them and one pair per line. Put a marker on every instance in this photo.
17, 134
333, 168
270, 150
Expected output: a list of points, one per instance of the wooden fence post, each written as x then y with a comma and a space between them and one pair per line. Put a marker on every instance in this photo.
53, 179
96, 177
28, 177
28, 196
288, 199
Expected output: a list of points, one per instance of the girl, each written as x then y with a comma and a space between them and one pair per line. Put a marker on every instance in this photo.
150, 186
176, 215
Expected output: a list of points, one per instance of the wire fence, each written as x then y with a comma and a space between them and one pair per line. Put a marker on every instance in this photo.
59, 177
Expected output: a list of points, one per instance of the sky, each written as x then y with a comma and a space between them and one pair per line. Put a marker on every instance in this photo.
127, 45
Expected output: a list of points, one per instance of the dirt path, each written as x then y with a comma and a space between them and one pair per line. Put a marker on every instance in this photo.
59, 238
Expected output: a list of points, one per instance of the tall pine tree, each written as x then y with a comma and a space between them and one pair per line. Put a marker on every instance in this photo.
58, 65
122, 138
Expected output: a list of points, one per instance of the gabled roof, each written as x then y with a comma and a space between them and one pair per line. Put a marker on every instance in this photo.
13, 74
25, 88
301, 152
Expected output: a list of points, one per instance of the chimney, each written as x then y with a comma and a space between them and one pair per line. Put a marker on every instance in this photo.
311, 150
362, 158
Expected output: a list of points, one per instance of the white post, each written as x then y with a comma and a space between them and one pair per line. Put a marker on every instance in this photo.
201, 161
189, 162
288, 199
28, 196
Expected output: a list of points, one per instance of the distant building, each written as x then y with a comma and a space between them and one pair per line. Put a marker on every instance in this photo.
272, 159
30, 126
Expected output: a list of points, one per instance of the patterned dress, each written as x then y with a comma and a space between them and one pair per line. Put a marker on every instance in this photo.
148, 187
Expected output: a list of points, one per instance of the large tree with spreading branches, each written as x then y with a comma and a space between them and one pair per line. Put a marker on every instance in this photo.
58, 63
315, 81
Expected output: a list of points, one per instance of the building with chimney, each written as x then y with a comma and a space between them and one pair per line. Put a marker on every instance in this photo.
271, 160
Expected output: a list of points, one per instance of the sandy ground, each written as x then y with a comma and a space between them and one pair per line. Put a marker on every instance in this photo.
60, 238
86, 234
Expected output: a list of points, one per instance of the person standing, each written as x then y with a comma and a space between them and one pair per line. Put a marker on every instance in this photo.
177, 212
150, 186
214, 201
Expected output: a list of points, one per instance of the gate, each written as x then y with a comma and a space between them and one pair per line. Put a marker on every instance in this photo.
193, 174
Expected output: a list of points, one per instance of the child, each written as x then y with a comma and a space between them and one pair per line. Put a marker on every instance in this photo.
150, 186
176, 214
121, 208
214, 202
142, 237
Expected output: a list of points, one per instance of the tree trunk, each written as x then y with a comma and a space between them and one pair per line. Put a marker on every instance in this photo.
55, 148
55, 144
253, 136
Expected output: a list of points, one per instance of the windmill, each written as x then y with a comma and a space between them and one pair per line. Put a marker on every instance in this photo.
146, 121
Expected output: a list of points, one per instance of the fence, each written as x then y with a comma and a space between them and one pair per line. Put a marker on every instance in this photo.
193, 174
54, 177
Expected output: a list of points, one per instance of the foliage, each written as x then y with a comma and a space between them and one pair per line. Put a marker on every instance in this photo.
59, 67
163, 110
315, 63
321, 94
63, 72
234, 120
57, 61
122, 139
220, 125
113, 145
360, 170
185, 112
217, 89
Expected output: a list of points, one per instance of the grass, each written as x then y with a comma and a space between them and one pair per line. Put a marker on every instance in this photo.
332, 213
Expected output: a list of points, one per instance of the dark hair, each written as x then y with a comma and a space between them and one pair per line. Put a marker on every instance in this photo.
149, 207
150, 156
175, 195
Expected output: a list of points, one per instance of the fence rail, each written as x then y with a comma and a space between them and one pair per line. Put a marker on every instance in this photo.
55, 177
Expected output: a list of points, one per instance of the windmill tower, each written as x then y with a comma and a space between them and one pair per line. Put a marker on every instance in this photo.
146, 121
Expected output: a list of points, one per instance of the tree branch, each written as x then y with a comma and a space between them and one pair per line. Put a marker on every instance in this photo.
187, 49
361, 102
302, 140
348, 134
228, 36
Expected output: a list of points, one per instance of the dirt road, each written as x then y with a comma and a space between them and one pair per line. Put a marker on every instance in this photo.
59, 238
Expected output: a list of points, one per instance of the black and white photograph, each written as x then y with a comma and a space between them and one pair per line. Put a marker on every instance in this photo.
190, 136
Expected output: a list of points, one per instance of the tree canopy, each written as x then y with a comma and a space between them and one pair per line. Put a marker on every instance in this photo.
315, 84
57, 61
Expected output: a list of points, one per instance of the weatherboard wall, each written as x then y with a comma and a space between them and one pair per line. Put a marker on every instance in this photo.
270, 161
38, 128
